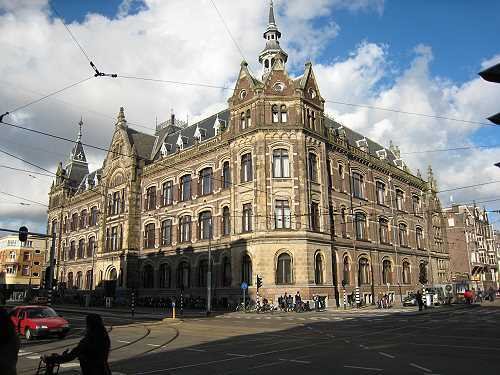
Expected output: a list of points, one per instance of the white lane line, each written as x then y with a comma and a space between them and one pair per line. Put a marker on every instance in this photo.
195, 350
365, 368
387, 355
24, 353
70, 364
420, 367
363, 346
156, 345
35, 357
236, 355
123, 341
295, 361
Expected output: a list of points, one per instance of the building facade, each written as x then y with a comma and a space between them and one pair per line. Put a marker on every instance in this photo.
270, 186
472, 247
21, 264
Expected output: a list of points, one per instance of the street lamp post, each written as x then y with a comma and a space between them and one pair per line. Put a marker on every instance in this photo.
209, 269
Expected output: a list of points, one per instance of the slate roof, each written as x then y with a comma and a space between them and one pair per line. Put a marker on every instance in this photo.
353, 136
143, 142
170, 134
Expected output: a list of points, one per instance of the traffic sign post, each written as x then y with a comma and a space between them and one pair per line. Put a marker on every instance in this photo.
244, 287
358, 297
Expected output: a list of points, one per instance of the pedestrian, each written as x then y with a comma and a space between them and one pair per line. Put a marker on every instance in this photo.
316, 302
491, 293
92, 351
9, 345
419, 299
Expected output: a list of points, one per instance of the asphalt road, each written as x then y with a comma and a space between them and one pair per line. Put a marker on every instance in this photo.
444, 341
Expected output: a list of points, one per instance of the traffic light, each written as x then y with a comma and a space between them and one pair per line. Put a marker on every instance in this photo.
23, 234
492, 74
259, 282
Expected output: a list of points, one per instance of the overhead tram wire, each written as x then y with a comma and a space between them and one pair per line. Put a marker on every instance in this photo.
450, 149
23, 198
26, 161
26, 171
44, 97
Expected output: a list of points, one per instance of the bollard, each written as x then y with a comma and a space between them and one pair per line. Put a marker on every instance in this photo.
173, 310
345, 300
132, 304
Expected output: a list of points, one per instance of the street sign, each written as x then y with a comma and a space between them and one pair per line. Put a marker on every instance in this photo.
244, 285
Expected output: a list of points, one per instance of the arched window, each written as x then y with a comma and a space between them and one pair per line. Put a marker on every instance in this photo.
363, 271
205, 181
403, 235
386, 272
275, 113
246, 168
249, 118
185, 228
150, 202
226, 221
149, 236
226, 175
70, 279
166, 232
416, 204
202, 273
281, 163
422, 273
406, 272
318, 269
360, 221
284, 269
283, 113
246, 269
343, 222
164, 275
185, 188
79, 280
167, 193
226, 272
81, 248
346, 271
312, 167
243, 123
357, 185
148, 276
90, 247
246, 220
72, 250
419, 238
266, 61
205, 225
112, 274
383, 230
88, 279
400, 199
183, 275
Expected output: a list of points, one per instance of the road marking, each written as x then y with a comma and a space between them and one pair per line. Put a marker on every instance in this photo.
295, 361
459, 346
156, 345
420, 367
24, 353
70, 364
363, 346
365, 368
124, 342
195, 350
387, 355
236, 355
33, 357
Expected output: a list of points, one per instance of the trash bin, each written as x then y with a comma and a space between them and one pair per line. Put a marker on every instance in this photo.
428, 299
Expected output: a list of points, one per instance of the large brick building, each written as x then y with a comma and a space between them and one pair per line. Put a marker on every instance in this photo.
271, 185
472, 247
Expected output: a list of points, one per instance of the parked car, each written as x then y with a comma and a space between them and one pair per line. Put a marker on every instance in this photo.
37, 321
410, 300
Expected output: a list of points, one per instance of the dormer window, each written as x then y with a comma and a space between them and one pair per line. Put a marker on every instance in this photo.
243, 94
382, 154
165, 149
312, 93
362, 144
180, 142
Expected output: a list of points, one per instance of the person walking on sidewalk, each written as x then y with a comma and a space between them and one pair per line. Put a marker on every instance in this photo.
92, 350
420, 301
9, 345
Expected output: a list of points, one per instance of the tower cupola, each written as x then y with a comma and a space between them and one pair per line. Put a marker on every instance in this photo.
272, 52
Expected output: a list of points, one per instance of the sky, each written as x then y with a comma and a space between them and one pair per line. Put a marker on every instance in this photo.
420, 57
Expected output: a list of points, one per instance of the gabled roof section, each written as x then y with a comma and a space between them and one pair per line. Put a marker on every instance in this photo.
142, 142
187, 134
354, 137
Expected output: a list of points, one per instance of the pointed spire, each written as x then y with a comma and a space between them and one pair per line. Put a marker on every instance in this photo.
271, 14
80, 124
121, 121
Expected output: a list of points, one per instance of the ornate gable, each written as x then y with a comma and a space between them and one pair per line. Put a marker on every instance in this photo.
246, 86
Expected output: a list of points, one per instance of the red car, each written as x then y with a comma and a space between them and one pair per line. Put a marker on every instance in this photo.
38, 321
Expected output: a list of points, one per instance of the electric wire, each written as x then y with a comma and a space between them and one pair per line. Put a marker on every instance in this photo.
23, 198
26, 171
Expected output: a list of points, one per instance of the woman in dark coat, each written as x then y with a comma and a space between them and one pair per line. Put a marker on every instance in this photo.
92, 351
9, 345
